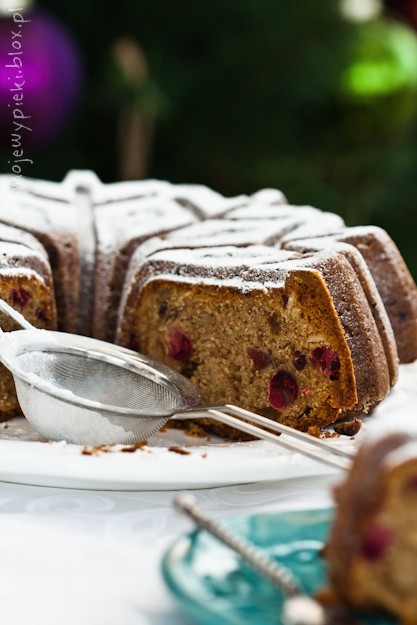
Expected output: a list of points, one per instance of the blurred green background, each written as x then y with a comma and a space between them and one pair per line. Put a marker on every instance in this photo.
318, 99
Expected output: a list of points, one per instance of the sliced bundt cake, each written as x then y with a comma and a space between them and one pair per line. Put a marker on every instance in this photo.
174, 270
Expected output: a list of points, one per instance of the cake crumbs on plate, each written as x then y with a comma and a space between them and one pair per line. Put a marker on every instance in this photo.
348, 428
328, 434
194, 429
190, 428
97, 449
179, 450
106, 449
317, 432
134, 447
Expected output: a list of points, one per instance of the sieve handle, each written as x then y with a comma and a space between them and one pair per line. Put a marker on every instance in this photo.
16, 316
260, 427
259, 432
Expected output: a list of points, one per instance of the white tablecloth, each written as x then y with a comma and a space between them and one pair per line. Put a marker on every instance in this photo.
73, 557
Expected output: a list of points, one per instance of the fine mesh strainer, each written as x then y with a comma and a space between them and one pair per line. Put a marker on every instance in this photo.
87, 391
90, 392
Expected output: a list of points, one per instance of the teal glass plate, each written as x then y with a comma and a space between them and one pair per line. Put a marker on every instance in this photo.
215, 587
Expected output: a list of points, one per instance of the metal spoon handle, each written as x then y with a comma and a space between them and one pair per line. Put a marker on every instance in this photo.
298, 608
260, 432
259, 427
276, 573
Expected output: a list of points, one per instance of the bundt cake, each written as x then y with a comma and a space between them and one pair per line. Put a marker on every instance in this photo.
372, 547
203, 283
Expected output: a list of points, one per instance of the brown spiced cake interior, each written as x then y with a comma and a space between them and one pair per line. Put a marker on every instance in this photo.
372, 547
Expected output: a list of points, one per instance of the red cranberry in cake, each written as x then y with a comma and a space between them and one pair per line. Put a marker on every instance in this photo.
20, 297
260, 359
376, 541
283, 390
327, 360
179, 346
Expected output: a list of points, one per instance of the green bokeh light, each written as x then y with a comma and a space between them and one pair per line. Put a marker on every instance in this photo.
384, 61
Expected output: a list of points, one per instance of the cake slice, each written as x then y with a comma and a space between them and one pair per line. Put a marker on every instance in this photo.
372, 545
25, 284
260, 328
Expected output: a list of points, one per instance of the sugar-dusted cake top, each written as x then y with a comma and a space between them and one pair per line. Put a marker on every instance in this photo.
8, 234
31, 208
218, 232
255, 266
140, 218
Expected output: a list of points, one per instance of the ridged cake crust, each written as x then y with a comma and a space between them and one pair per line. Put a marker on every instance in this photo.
392, 278
355, 258
372, 368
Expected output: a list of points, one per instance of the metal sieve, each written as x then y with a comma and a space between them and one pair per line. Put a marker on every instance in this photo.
90, 392
87, 391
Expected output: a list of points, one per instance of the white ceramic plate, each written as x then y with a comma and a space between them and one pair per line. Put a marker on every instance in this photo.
26, 458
